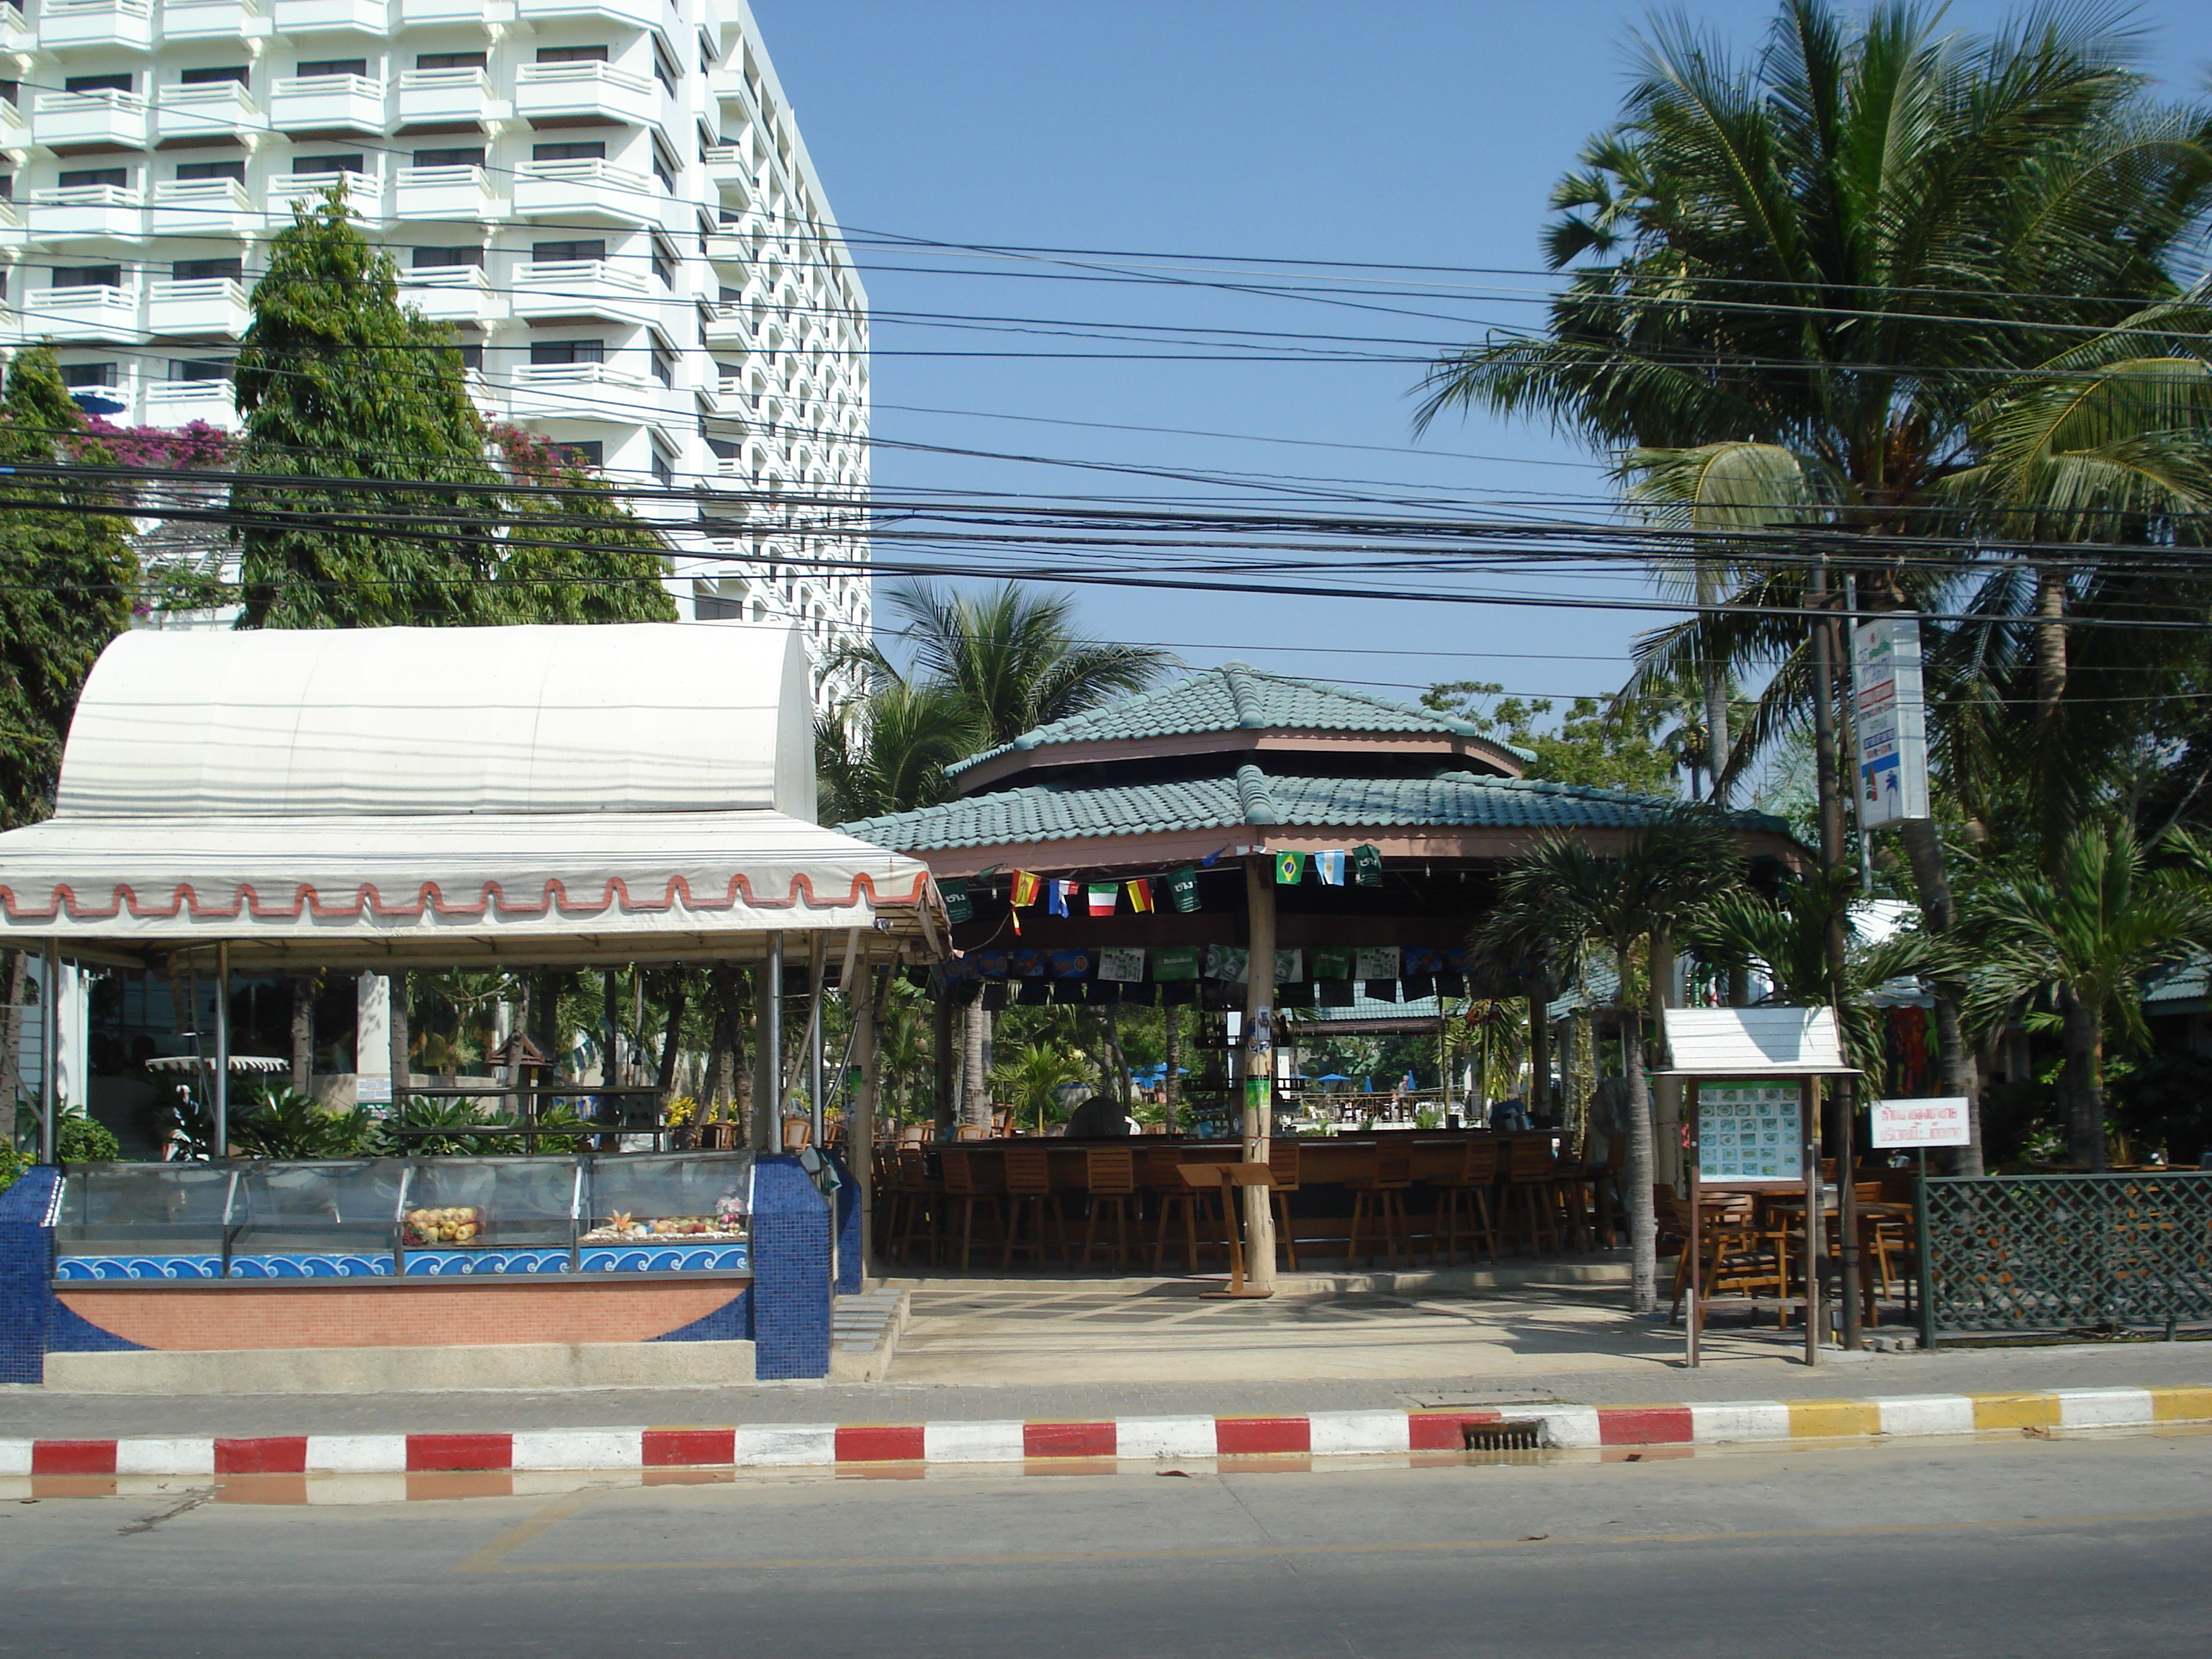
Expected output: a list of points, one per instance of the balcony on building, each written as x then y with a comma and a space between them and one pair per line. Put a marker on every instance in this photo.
730, 323
730, 170
587, 392
326, 103
180, 402
124, 24
81, 212
65, 121
326, 16
218, 109
209, 20
11, 226
101, 310
213, 306
364, 193
586, 190
453, 293
546, 289
568, 95
475, 13
633, 13
202, 207
448, 98
727, 398
461, 191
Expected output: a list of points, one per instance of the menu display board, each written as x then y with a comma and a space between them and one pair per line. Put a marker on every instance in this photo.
1749, 1132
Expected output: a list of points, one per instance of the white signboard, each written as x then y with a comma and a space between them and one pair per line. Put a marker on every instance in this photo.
1941, 1121
1892, 720
1749, 1132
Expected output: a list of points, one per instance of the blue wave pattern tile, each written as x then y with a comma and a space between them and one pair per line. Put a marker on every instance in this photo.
667, 1258
311, 1267
90, 1269
452, 1264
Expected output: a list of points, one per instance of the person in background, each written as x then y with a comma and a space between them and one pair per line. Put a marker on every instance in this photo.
1097, 1117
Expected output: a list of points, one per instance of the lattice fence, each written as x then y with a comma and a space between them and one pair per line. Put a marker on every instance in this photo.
2060, 1253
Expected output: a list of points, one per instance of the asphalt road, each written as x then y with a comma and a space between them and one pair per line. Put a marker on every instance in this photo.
2075, 1547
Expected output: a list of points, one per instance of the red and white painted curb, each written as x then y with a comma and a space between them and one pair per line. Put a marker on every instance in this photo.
1150, 1439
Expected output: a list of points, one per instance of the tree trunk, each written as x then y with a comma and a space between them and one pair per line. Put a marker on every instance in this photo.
975, 1086
1170, 1091
1716, 734
2085, 1083
1540, 1048
611, 1066
945, 1105
721, 1044
11, 1036
403, 1041
2050, 642
1954, 1063
671, 1033
1111, 1019
1636, 1168
303, 1031
730, 1008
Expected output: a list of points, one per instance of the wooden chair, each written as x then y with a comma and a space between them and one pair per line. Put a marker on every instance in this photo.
1378, 1198
1029, 1193
1002, 1121
1532, 1193
798, 1133
971, 1132
965, 1186
1463, 1198
1165, 1187
1736, 1258
915, 1206
915, 1134
1109, 1181
1283, 1167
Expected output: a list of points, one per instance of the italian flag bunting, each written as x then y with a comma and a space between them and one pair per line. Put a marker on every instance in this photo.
1102, 895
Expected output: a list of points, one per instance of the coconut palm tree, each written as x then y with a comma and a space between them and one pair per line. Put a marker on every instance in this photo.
1799, 283
1633, 903
1030, 1079
887, 752
2080, 935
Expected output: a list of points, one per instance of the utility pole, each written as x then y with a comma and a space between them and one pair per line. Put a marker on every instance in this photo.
1825, 656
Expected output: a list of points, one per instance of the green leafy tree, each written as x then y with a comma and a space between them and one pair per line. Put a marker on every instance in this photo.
2078, 936
577, 555
1634, 903
1030, 1079
1590, 745
69, 584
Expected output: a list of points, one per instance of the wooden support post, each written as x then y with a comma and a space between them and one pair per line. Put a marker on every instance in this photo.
863, 998
1695, 1311
1816, 1253
1260, 1069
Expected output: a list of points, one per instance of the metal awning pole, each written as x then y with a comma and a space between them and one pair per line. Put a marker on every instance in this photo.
50, 1028
768, 1043
819, 961
222, 1090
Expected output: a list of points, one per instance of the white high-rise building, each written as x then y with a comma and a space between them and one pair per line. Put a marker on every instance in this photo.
608, 200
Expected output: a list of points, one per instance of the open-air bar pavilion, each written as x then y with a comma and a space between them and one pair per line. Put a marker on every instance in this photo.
1249, 846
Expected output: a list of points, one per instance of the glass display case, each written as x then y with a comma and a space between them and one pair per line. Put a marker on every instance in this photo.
418, 1216
675, 1198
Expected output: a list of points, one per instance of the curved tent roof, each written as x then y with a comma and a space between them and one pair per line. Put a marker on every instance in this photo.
634, 792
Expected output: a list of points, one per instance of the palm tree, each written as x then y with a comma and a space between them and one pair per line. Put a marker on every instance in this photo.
888, 752
1633, 902
1030, 1079
2081, 935
1804, 278
1012, 657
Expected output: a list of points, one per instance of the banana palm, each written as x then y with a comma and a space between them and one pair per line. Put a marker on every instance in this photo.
2080, 935
1634, 903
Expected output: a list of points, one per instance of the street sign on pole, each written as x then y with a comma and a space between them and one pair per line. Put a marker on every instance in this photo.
1893, 721
1940, 1121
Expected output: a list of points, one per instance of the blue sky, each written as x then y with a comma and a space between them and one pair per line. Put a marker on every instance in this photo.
1410, 132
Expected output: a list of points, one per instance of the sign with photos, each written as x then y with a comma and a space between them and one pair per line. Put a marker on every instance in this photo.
1749, 1132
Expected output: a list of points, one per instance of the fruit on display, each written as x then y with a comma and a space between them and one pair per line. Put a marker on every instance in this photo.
458, 1224
623, 1228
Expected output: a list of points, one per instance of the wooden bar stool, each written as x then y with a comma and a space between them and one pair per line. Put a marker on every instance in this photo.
1283, 1171
1029, 1193
1109, 1179
1378, 1198
1464, 1198
965, 1186
1165, 1184
915, 1208
1532, 1194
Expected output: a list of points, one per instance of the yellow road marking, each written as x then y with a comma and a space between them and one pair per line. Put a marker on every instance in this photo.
488, 1558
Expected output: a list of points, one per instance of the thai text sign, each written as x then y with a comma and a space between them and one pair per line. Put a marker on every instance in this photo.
1892, 720
1941, 1121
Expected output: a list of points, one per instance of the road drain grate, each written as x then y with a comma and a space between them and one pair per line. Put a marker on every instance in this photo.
1503, 1437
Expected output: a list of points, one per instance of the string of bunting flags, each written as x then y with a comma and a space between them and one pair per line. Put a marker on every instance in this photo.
1358, 866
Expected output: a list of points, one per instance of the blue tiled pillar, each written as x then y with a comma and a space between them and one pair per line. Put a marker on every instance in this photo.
26, 1270
791, 1273
849, 1264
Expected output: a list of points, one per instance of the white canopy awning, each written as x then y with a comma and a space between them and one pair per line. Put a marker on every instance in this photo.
397, 796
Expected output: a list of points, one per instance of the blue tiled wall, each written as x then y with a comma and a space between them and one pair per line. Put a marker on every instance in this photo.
849, 1264
791, 1273
26, 1256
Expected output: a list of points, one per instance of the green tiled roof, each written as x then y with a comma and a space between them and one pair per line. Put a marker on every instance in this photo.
1252, 799
1232, 698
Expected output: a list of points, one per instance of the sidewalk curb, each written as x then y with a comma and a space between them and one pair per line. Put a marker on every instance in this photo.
1014, 1441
